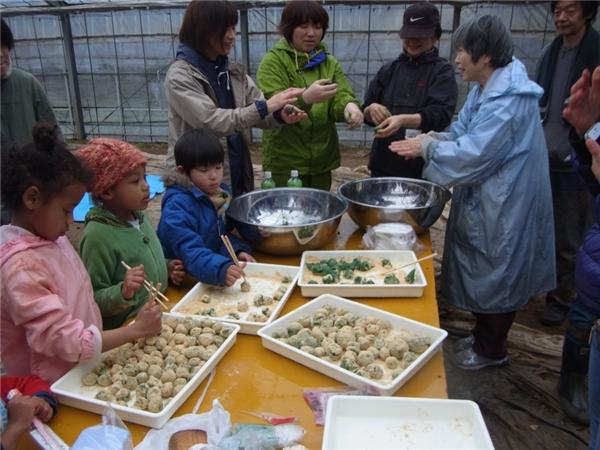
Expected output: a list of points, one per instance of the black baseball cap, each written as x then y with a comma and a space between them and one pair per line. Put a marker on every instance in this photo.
421, 20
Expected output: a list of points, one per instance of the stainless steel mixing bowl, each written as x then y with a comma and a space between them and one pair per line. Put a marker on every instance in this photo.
287, 221
377, 200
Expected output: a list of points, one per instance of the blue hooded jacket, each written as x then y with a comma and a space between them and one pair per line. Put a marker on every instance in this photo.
587, 267
190, 230
499, 247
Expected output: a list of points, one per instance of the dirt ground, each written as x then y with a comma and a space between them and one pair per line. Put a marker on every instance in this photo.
519, 401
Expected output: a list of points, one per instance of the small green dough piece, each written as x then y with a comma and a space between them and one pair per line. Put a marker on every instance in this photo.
391, 279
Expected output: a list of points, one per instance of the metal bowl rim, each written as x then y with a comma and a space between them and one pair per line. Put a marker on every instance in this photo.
410, 180
283, 189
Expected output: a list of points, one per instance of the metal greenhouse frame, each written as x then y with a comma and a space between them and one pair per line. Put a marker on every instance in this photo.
103, 62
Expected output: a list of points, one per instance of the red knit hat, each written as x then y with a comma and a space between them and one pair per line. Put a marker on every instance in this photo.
110, 161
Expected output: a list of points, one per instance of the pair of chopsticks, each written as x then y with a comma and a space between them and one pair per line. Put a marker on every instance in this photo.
231, 251
152, 290
433, 255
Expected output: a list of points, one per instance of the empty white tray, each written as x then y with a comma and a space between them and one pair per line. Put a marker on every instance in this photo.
396, 423
436, 335
246, 326
348, 289
70, 390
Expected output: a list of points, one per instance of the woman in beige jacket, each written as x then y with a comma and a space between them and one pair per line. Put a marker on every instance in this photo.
205, 91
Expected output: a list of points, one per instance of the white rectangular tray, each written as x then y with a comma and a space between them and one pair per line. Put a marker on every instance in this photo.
71, 392
436, 335
246, 327
396, 257
396, 423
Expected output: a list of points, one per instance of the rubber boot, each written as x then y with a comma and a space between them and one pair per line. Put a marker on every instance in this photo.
571, 386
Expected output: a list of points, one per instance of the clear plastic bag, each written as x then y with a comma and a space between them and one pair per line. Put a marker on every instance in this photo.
222, 435
392, 236
111, 434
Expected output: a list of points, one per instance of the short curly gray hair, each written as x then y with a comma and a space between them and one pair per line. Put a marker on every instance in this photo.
485, 35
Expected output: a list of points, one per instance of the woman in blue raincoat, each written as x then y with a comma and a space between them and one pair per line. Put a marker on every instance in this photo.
499, 248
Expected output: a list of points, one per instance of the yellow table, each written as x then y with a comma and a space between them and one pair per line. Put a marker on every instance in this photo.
251, 378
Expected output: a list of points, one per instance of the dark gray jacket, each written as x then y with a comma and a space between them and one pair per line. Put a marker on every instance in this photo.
588, 57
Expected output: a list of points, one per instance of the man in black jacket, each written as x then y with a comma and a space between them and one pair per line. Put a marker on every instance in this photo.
416, 91
576, 48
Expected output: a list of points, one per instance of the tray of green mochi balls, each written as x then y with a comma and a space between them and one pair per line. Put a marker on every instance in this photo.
146, 381
353, 343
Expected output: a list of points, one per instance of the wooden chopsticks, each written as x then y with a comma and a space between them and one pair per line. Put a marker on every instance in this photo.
409, 264
231, 251
152, 290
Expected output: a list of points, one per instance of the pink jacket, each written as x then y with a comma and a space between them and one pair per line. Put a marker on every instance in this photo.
48, 318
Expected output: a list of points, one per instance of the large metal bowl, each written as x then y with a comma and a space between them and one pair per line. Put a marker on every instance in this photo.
287, 221
377, 200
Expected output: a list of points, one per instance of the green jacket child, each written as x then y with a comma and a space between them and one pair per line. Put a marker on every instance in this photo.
106, 242
117, 232
311, 145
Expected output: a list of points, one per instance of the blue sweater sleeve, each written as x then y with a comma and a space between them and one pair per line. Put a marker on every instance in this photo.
181, 236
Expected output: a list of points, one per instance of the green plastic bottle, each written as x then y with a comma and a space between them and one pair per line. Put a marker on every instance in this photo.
268, 182
294, 181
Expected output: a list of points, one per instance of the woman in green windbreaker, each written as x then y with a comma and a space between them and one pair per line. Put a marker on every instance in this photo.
300, 59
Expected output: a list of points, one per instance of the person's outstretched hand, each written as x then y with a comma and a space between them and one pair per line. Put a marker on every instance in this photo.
389, 126
583, 109
134, 278
243, 256
319, 91
409, 148
291, 114
21, 411
354, 116
377, 113
283, 98
43, 410
234, 273
148, 321
176, 271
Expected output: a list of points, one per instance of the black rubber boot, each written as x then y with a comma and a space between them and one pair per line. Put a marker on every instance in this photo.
571, 386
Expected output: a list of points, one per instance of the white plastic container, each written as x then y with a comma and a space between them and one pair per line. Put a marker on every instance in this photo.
396, 257
246, 327
71, 392
396, 423
436, 335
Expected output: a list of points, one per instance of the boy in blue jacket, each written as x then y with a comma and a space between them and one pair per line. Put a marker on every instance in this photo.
193, 211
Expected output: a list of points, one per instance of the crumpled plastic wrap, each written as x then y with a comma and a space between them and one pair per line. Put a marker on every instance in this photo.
216, 423
392, 236
261, 437
222, 435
